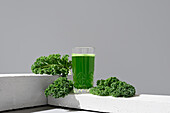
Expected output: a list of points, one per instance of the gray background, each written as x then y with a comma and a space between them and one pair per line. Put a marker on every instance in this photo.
131, 37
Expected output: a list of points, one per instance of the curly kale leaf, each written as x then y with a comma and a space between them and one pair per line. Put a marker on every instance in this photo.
52, 65
113, 87
100, 82
107, 82
59, 88
100, 90
122, 89
110, 80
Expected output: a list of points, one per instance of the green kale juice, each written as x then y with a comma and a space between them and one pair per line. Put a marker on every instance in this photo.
83, 70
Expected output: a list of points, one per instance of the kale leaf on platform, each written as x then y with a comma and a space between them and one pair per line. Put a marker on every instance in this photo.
113, 87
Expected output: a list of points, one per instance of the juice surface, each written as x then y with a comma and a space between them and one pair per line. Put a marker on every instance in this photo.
83, 70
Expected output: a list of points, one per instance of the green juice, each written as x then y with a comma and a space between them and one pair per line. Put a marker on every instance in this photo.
83, 70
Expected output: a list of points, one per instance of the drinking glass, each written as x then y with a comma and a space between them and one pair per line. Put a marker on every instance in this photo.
83, 61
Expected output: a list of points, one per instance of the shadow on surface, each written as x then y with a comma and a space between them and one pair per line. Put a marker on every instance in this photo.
30, 109
75, 110
49, 109
73, 101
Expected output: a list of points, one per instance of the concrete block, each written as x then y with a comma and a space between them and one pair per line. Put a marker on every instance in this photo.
138, 104
23, 90
27, 90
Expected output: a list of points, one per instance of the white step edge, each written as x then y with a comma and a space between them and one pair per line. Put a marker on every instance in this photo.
139, 104
23, 90
27, 90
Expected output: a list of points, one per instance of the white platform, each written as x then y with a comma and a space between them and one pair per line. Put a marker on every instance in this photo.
137, 104
57, 110
27, 90
23, 90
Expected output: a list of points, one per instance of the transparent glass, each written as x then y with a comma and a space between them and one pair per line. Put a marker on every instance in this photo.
83, 61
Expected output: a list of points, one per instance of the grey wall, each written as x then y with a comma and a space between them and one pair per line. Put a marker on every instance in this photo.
131, 37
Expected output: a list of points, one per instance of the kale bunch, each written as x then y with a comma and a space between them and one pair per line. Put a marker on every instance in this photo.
59, 88
113, 87
107, 82
52, 65
122, 89
100, 90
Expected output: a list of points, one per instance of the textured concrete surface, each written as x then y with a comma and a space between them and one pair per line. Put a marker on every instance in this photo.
48, 109
137, 104
31, 110
23, 90
64, 111
27, 90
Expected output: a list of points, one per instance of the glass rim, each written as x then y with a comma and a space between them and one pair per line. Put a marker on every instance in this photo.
82, 54
83, 50
84, 47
